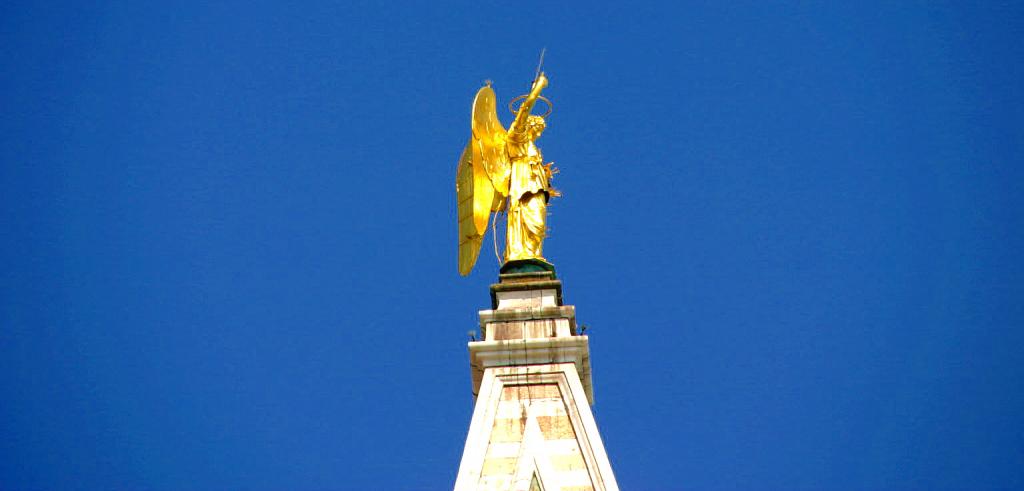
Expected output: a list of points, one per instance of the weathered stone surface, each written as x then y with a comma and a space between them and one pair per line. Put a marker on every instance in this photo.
526, 298
566, 312
520, 285
531, 373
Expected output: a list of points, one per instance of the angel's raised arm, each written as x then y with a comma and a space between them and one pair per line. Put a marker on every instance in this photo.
524, 109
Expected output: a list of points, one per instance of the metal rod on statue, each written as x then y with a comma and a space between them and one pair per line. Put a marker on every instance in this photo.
540, 64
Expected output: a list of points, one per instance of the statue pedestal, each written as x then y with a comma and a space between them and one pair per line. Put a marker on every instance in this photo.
531, 375
527, 266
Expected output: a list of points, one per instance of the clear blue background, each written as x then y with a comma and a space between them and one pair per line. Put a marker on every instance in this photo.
229, 244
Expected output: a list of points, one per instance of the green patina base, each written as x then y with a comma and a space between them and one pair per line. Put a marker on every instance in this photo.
527, 266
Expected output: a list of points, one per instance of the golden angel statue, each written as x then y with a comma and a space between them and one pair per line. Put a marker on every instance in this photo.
503, 171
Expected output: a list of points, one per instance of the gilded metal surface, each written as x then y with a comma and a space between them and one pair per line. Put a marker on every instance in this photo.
504, 170
470, 236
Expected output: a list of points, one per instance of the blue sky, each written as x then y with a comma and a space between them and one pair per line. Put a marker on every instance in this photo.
229, 258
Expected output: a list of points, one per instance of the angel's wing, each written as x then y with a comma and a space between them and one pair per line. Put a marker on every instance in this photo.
482, 178
490, 136
469, 189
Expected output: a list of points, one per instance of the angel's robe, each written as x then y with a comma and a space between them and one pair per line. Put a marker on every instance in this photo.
528, 197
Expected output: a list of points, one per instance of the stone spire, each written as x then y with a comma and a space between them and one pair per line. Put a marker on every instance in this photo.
532, 427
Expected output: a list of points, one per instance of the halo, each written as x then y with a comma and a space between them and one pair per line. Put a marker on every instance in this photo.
540, 97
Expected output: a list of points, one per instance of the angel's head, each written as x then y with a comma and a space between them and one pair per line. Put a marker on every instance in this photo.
535, 126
